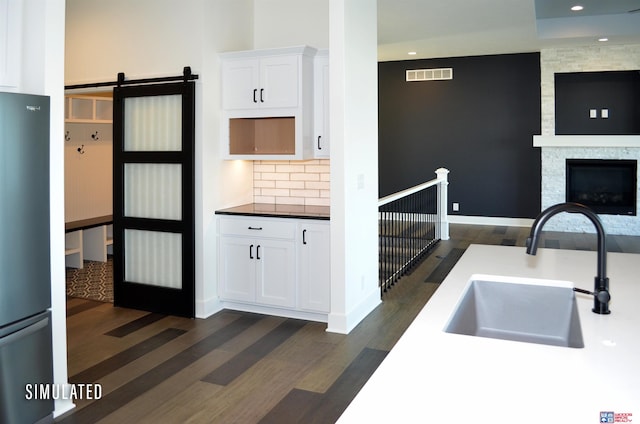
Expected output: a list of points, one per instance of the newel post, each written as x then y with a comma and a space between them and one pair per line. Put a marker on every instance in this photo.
443, 184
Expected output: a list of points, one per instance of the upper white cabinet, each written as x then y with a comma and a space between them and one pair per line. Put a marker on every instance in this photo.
269, 82
88, 109
267, 101
321, 104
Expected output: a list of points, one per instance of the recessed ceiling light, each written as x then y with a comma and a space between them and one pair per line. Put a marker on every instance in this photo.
412, 53
603, 39
577, 8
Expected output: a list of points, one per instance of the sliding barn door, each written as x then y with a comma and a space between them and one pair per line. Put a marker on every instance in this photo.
153, 205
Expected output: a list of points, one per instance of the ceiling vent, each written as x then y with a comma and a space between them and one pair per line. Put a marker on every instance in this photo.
437, 74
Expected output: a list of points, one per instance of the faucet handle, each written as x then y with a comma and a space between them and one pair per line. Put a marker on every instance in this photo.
603, 296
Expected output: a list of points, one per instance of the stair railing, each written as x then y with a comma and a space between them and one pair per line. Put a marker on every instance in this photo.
410, 223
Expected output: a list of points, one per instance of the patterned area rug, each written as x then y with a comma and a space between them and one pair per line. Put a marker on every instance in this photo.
94, 281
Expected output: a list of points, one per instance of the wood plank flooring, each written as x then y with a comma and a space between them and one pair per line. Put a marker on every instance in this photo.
237, 367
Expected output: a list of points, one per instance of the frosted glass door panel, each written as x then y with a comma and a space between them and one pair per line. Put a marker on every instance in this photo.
153, 190
153, 123
153, 258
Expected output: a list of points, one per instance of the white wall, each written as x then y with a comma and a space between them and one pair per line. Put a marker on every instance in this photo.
145, 38
354, 162
283, 23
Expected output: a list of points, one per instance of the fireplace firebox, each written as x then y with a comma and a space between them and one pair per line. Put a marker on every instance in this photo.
607, 186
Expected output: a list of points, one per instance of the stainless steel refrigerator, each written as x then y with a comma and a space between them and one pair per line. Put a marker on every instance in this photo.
25, 277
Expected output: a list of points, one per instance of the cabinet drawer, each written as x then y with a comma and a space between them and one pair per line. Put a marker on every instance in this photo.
258, 227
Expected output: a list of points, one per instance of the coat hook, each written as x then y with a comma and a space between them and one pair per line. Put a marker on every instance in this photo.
81, 149
67, 136
95, 136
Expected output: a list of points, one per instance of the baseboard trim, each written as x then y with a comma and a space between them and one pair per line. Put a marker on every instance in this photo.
344, 323
489, 220
280, 312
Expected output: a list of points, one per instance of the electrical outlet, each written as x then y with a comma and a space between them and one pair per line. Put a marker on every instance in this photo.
455, 206
604, 113
593, 113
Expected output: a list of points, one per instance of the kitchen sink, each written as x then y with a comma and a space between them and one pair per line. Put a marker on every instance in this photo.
518, 309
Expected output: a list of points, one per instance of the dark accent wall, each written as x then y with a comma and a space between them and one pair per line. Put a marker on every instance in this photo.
578, 93
480, 126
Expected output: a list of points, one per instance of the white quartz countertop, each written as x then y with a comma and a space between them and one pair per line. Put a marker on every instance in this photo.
435, 377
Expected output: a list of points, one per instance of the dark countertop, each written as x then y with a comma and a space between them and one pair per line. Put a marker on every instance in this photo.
278, 211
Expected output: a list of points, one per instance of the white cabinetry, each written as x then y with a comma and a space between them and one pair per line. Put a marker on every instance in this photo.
278, 266
88, 109
314, 280
257, 261
269, 82
267, 102
321, 104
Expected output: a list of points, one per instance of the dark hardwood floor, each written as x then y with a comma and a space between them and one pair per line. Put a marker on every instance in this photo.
238, 367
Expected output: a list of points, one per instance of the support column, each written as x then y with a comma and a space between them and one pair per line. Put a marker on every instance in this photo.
353, 101
443, 199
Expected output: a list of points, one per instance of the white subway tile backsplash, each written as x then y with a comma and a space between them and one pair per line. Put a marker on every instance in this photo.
317, 202
260, 183
305, 177
288, 200
282, 192
274, 176
292, 182
264, 167
320, 185
264, 199
286, 168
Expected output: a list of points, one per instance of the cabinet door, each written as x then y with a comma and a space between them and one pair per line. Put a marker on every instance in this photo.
237, 273
321, 106
315, 269
240, 89
276, 271
278, 81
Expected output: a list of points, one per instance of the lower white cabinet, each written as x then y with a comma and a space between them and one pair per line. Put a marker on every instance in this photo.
314, 281
280, 263
257, 270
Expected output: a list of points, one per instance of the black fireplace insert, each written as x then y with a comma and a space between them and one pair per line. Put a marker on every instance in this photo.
608, 186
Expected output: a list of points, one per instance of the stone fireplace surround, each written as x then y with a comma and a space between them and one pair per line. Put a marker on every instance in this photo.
554, 152
556, 149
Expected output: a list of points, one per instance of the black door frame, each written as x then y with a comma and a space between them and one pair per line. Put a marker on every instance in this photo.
143, 296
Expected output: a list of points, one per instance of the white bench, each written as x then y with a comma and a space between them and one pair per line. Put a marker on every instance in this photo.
88, 239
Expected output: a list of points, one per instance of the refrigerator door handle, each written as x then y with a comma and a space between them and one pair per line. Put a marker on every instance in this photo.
24, 332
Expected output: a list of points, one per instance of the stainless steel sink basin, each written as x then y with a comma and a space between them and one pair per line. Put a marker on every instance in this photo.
518, 309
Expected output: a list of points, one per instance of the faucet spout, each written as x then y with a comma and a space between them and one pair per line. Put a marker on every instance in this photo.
601, 284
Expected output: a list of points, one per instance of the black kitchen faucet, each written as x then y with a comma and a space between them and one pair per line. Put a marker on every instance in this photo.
600, 293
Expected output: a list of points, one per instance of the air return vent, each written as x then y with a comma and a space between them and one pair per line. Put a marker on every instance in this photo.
437, 74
